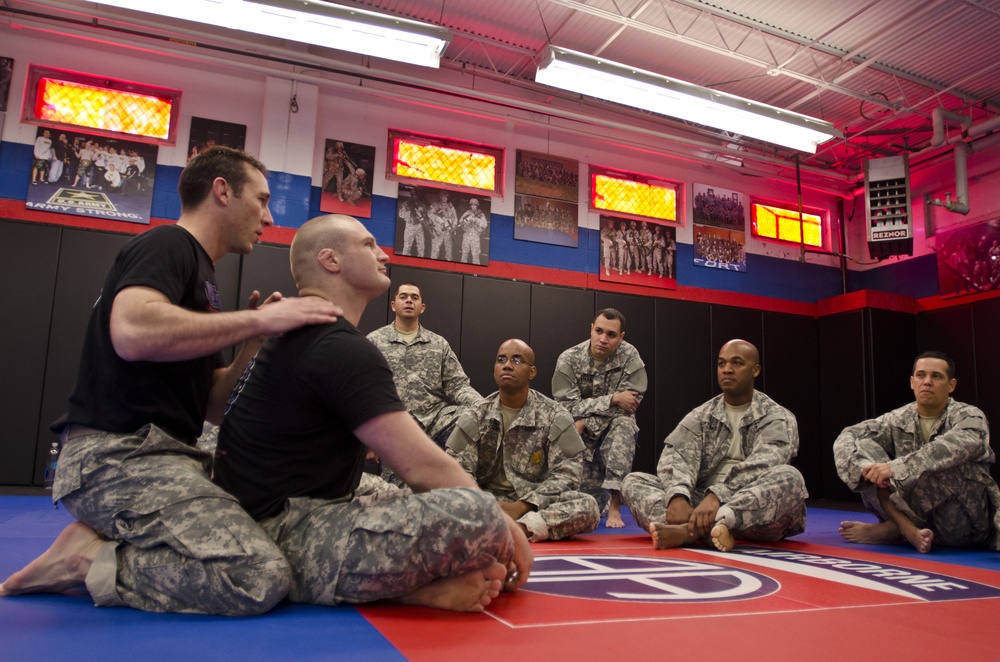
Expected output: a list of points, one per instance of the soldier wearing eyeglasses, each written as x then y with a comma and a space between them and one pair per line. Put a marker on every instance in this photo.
524, 448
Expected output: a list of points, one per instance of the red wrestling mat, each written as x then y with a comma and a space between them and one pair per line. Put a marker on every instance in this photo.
614, 597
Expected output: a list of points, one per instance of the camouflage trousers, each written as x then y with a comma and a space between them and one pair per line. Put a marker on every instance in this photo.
607, 458
772, 508
572, 513
180, 543
957, 504
386, 545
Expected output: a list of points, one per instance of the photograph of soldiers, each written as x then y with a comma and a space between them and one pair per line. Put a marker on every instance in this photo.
546, 221
85, 175
346, 179
547, 176
969, 259
716, 248
719, 207
547, 191
207, 133
638, 252
443, 225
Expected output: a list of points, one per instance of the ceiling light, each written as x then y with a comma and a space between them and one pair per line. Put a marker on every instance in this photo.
615, 82
311, 22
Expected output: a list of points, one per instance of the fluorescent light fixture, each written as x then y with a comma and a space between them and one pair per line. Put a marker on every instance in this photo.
311, 22
615, 82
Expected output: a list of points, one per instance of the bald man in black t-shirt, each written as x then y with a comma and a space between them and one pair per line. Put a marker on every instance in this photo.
292, 447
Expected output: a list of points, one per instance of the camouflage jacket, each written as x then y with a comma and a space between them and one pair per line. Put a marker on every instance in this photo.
961, 436
701, 440
427, 373
586, 391
541, 452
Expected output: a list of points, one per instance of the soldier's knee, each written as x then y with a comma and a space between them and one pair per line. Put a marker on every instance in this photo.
260, 586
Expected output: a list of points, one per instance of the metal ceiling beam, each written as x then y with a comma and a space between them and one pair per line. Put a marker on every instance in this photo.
761, 64
811, 44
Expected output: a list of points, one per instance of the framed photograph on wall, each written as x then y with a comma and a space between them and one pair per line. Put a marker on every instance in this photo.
206, 133
347, 181
547, 176
638, 252
87, 175
719, 248
440, 224
719, 207
546, 221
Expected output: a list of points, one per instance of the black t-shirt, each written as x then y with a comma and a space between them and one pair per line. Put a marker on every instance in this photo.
288, 428
121, 396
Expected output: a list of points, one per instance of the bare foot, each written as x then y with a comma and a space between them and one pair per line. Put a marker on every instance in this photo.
472, 591
614, 520
722, 538
870, 534
668, 536
921, 539
61, 567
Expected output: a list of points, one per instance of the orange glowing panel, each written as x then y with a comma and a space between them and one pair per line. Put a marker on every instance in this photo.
632, 194
463, 166
101, 105
771, 222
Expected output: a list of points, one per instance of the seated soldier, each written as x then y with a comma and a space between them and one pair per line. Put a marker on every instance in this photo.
292, 448
724, 470
923, 469
524, 448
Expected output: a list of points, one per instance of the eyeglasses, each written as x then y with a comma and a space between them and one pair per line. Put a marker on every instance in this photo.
516, 360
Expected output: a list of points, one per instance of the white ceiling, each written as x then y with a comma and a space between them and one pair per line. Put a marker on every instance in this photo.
876, 69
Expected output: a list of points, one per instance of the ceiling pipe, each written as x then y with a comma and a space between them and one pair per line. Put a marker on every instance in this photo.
938, 117
960, 205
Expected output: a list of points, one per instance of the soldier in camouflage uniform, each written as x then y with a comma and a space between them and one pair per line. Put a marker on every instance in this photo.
428, 376
473, 223
444, 220
292, 446
154, 533
523, 447
601, 381
923, 469
724, 471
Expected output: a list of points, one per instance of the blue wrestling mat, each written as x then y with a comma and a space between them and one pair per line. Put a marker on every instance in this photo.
812, 597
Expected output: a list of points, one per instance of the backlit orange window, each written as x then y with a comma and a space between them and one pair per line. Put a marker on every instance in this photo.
632, 194
465, 166
100, 105
781, 224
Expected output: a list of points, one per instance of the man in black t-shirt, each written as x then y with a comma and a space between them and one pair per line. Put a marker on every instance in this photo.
292, 447
154, 532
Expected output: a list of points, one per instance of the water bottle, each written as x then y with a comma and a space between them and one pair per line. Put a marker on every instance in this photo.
50, 467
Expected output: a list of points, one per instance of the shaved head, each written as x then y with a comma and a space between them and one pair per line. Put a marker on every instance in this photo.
517, 346
321, 232
745, 349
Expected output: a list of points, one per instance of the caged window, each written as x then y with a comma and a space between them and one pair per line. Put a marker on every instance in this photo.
780, 222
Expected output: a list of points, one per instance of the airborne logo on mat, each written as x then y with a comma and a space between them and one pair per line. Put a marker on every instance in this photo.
644, 579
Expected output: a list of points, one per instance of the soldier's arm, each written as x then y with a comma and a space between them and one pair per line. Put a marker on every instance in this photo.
968, 440
776, 443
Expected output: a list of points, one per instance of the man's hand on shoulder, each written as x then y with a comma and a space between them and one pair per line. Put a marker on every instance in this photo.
279, 314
